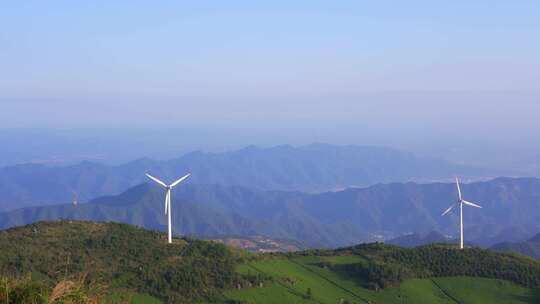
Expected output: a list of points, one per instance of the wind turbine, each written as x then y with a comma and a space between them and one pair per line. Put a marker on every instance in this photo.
460, 202
75, 200
168, 197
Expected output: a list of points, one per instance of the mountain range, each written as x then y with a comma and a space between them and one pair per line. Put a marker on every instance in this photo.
311, 168
530, 247
329, 219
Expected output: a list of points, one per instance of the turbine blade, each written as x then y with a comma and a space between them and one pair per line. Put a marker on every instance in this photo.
471, 204
180, 180
156, 180
448, 210
458, 189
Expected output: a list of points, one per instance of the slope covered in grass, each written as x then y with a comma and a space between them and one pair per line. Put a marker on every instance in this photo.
386, 274
293, 277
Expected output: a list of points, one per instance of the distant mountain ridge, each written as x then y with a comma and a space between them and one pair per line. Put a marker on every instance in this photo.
311, 168
530, 247
328, 219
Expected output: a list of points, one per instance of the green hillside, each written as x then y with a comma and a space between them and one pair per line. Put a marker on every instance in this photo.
117, 263
313, 279
120, 257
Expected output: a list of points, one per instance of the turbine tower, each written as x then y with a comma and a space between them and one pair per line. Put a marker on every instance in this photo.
460, 202
168, 197
75, 200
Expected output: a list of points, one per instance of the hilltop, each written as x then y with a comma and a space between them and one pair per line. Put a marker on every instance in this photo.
122, 257
420, 239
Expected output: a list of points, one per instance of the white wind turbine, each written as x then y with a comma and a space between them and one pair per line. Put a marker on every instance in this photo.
460, 202
168, 198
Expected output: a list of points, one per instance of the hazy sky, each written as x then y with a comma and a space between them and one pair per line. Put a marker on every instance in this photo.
449, 66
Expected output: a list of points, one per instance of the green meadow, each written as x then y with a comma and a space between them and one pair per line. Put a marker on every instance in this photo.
293, 277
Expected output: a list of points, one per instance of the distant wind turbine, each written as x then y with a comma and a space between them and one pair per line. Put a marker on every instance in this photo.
460, 202
168, 197
75, 200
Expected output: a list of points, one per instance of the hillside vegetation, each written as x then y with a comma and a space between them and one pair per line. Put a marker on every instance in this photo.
89, 262
385, 266
120, 257
75, 289
294, 278
377, 273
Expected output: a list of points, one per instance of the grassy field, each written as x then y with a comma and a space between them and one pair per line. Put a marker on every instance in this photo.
293, 277
475, 290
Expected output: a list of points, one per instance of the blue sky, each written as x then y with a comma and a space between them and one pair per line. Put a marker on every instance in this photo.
379, 64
